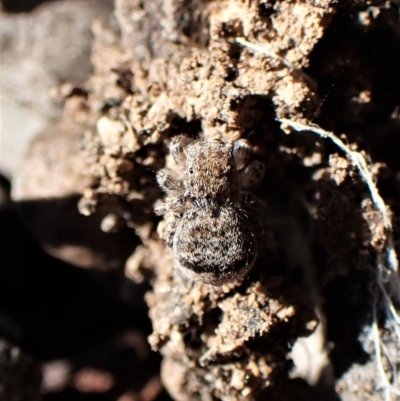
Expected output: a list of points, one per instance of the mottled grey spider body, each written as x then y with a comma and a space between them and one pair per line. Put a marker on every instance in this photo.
209, 229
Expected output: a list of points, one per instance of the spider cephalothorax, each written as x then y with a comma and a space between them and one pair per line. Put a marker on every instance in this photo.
209, 230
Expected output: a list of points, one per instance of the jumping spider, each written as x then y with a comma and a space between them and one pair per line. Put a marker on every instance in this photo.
209, 230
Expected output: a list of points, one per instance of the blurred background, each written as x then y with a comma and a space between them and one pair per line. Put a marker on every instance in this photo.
43, 45
72, 327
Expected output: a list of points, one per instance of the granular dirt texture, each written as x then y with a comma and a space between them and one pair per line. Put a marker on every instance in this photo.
233, 347
228, 70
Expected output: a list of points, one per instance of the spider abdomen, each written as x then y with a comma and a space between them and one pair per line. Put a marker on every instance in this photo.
216, 245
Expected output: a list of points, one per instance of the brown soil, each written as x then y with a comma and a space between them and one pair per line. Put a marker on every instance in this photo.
167, 68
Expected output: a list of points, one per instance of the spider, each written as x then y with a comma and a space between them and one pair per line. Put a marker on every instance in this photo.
208, 226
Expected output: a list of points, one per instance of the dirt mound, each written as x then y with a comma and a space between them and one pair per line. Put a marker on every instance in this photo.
231, 70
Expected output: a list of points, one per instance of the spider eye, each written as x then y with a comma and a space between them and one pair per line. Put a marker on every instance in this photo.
191, 170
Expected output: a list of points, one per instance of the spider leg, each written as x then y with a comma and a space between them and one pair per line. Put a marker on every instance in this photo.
252, 174
241, 151
160, 208
177, 149
166, 181
175, 205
